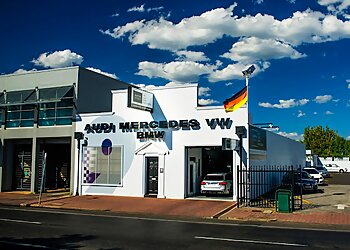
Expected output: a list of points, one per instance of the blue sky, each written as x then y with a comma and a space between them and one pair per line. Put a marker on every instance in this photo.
301, 50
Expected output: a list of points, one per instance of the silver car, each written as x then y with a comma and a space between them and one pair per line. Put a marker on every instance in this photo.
217, 183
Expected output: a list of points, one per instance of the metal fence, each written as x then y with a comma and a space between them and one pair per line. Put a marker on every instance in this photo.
257, 185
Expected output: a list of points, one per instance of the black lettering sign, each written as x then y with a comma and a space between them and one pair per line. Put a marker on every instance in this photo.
135, 125
163, 124
173, 124
99, 128
153, 124
150, 135
144, 125
194, 124
223, 123
184, 124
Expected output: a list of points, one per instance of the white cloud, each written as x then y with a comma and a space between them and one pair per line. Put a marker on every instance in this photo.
137, 9
24, 71
348, 138
102, 72
175, 83
204, 91
302, 27
300, 113
185, 71
207, 101
195, 56
58, 59
315, 113
329, 112
155, 9
144, 86
291, 1
253, 49
115, 15
292, 135
335, 6
122, 30
323, 98
259, 1
348, 81
285, 104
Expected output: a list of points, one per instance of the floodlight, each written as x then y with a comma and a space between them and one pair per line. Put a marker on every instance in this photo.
249, 71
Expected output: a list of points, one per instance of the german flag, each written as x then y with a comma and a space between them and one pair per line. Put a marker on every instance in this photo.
237, 100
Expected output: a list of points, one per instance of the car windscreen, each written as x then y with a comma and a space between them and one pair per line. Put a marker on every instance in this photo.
312, 171
306, 175
214, 178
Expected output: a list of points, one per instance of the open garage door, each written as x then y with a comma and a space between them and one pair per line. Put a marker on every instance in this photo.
203, 161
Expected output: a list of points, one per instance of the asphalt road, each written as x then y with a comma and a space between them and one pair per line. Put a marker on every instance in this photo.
26, 228
339, 179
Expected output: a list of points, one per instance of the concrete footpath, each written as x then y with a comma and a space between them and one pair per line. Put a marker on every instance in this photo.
225, 210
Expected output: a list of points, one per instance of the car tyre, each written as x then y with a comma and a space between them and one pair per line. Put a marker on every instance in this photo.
341, 171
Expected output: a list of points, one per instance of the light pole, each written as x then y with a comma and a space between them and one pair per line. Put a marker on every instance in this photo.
241, 132
247, 73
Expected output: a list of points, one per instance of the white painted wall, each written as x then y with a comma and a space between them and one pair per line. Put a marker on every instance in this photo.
171, 103
281, 152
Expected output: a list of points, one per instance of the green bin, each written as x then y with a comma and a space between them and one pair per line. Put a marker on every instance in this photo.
284, 201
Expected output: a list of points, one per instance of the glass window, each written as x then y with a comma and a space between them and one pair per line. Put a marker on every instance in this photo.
2, 98
101, 166
55, 93
20, 116
18, 97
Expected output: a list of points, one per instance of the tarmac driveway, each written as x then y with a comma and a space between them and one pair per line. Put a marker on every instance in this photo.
334, 197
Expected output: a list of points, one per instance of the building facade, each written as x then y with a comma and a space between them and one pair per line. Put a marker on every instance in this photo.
38, 113
165, 149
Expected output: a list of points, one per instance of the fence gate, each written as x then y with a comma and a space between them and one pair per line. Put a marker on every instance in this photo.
257, 185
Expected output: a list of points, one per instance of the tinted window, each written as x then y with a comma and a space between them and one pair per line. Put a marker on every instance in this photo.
312, 171
214, 178
306, 175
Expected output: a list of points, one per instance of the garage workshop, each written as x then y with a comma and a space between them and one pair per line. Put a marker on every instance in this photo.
160, 143
97, 135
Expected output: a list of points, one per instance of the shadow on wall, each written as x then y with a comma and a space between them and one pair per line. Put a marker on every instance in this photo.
158, 115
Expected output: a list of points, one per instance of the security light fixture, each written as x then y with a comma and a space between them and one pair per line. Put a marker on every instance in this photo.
248, 71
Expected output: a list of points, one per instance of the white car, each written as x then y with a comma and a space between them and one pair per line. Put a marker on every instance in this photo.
217, 183
323, 171
335, 168
315, 174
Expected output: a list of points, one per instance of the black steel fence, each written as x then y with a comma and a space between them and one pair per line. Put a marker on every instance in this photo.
257, 185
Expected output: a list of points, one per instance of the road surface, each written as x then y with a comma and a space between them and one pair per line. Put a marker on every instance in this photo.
28, 228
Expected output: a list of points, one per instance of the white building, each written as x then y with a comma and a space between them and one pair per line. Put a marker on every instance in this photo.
166, 151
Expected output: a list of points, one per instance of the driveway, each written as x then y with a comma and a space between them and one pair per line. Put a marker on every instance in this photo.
334, 197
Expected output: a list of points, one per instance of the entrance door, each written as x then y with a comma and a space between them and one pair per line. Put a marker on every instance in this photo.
192, 177
23, 171
152, 175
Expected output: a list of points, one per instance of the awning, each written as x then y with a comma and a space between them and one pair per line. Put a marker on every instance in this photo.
55, 94
30, 96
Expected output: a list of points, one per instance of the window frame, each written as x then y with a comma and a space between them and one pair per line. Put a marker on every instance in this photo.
122, 164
